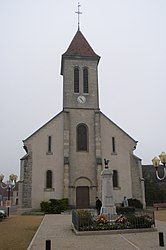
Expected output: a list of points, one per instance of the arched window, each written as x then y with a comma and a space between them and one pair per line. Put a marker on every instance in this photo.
82, 137
115, 178
76, 80
85, 80
49, 179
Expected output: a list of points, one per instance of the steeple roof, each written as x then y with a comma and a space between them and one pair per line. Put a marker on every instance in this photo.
79, 47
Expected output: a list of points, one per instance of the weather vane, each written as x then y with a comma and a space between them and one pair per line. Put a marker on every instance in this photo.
78, 12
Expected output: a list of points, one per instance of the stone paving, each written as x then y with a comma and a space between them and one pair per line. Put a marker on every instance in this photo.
57, 228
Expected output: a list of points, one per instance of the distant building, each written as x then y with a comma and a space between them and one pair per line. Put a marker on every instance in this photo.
155, 190
65, 157
3, 194
13, 194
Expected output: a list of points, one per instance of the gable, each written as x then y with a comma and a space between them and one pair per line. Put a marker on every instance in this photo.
43, 127
104, 117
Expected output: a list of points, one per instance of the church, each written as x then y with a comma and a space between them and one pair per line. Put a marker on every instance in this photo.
65, 157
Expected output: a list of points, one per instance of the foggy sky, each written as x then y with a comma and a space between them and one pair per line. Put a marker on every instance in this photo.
130, 37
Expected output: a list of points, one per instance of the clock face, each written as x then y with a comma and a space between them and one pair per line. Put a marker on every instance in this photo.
81, 99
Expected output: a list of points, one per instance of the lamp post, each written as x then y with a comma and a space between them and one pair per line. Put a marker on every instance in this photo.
9, 185
156, 163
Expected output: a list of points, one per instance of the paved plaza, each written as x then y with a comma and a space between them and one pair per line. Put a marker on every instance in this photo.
57, 228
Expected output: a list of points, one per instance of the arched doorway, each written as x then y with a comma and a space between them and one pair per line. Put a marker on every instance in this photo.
82, 197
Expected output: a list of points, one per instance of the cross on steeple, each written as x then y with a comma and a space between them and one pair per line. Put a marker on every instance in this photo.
78, 12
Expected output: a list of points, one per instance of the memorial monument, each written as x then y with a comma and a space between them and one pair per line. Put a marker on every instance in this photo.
108, 205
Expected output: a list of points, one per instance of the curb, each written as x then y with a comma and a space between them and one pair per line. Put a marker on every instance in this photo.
33, 239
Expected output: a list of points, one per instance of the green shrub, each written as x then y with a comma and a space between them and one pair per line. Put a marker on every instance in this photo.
135, 203
98, 226
83, 213
64, 204
84, 218
45, 206
140, 221
129, 222
125, 210
54, 206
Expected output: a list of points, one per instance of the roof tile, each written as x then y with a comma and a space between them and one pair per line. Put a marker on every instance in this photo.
80, 47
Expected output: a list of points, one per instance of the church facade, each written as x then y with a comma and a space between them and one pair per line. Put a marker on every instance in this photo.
65, 157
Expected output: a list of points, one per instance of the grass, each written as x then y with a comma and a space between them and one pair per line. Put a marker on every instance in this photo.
18, 231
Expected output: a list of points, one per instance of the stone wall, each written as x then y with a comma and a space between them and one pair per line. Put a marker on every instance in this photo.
137, 180
120, 159
69, 97
27, 182
82, 163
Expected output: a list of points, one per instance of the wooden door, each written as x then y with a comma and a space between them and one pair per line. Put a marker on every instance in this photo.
82, 197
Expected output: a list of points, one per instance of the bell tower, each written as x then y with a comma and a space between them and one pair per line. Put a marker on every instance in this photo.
82, 142
79, 68
82, 139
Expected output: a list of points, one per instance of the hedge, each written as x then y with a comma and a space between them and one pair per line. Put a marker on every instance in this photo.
54, 206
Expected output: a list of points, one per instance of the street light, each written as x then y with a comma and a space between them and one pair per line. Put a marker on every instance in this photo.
156, 163
9, 185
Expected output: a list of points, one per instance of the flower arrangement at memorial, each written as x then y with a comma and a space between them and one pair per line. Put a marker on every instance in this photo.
89, 222
102, 218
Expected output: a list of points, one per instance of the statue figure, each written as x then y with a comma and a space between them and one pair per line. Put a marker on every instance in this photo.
106, 163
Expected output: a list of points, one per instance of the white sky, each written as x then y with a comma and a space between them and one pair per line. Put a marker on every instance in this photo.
130, 37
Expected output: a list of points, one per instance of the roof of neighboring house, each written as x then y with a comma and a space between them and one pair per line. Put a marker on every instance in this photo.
149, 172
4, 191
